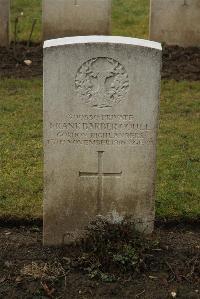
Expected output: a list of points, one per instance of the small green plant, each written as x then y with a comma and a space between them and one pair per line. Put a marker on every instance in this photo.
114, 248
128, 257
104, 277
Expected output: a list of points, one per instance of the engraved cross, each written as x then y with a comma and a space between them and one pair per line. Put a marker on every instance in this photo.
76, 2
100, 174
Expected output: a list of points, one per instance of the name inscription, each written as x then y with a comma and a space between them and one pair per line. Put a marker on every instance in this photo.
103, 129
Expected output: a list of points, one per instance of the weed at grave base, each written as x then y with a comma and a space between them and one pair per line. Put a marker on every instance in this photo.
114, 248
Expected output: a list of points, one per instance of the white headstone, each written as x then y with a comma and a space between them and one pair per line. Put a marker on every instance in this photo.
76, 17
101, 102
175, 22
4, 22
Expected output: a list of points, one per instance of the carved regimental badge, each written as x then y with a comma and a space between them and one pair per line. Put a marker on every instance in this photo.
102, 82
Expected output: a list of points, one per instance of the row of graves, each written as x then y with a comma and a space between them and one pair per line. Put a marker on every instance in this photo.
101, 106
101, 97
171, 21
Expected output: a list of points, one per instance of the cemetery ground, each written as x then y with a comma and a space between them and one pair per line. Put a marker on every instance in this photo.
30, 271
110, 263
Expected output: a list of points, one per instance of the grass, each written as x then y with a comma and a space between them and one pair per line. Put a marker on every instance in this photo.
20, 148
178, 192
178, 184
27, 11
129, 18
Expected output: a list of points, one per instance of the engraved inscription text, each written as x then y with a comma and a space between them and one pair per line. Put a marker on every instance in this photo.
100, 129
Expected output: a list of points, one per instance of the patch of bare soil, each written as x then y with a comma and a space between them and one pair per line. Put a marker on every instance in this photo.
178, 63
181, 63
21, 61
112, 262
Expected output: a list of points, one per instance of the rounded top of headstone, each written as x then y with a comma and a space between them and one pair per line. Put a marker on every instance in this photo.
102, 39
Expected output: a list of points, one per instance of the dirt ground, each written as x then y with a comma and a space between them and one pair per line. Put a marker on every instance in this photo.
178, 63
12, 61
28, 270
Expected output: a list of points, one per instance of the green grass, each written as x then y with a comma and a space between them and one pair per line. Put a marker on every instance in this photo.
20, 148
178, 184
129, 18
178, 151
31, 9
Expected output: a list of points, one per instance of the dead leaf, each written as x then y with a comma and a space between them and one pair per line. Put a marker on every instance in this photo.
49, 292
18, 279
153, 277
2, 279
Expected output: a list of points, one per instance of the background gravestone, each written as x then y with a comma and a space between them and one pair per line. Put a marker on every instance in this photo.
4, 22
101, 101
76, 17
175, 22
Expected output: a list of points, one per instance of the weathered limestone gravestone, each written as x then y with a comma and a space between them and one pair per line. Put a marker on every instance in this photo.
76, 17
101, 102
4, 22
175, 22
